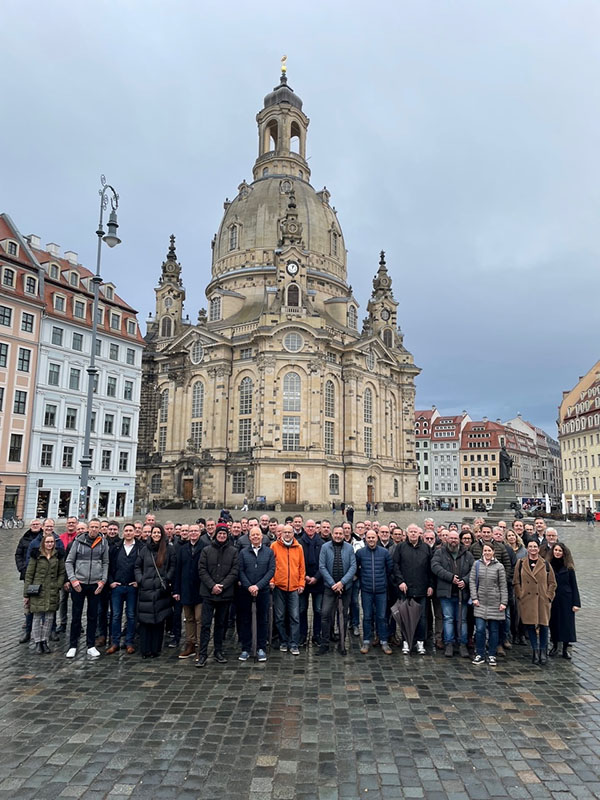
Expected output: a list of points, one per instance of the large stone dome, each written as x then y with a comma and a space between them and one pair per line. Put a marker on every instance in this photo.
251, 228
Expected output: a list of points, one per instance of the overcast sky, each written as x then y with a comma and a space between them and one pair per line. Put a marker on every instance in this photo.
460, 137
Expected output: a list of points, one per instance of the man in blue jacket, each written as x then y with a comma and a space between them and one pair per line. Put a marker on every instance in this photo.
257, 567
337, 565
311, 543
375, 568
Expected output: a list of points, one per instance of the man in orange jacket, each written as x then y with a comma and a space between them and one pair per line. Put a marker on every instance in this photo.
288, 584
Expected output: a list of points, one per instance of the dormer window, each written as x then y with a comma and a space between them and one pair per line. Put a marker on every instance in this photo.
54, 271
12, 249
215, 309
109, 292
74, 279
352, 317
8, 278
131, 327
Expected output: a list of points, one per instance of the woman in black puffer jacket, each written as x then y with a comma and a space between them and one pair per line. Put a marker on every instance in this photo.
154, 574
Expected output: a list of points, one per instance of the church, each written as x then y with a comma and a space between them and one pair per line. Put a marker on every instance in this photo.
275, 394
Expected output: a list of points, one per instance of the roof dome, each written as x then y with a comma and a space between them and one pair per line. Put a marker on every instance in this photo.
283, 94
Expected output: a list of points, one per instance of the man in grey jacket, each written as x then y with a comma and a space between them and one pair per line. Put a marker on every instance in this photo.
337, 565
87, 571
451, 564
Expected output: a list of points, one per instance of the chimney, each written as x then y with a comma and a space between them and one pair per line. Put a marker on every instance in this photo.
34, 240
499, 421
485, 419
53, 249
433, 408
71, 257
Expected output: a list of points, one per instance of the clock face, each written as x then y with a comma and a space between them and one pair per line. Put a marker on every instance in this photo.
385, 314
292, 268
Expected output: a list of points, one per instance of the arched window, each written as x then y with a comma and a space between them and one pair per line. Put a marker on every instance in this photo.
271, 136
352, 317
214, 308
164, 405
334, 243
291, 392
387, 337
233, 237
246, 388
295, 140
396, 487
165, 327
329, 399
197, 399
293, 295
368, 406
334, 484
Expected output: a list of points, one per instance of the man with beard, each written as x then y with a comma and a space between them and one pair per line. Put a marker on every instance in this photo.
451, 565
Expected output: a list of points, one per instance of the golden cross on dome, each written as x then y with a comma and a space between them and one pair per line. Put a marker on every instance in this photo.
284, 64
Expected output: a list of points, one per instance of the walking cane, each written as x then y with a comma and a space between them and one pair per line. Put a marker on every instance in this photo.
254, 628
459, 624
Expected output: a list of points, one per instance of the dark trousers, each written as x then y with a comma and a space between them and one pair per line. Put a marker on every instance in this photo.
220, 611
174, 621
317, 602
103, 612
151, 638
328, 609
78, 599
245, 602
127, 596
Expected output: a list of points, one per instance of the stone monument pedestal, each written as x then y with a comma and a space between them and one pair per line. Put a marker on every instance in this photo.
501, 509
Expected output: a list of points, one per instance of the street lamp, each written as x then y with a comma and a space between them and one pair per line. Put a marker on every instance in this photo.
106, 192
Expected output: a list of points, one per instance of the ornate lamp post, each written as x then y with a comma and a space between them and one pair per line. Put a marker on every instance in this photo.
106, 192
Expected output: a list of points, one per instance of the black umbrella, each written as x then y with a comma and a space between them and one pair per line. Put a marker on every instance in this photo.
341, 622
254, 628
407, 613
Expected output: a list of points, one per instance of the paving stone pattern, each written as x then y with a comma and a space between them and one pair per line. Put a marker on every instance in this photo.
300, 727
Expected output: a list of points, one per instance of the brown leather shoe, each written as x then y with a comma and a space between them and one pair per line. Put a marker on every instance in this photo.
365, 648
130, 649
188, 651
100, 641
386, 649
112, 649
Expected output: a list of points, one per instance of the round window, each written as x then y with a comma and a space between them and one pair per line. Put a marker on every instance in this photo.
197, 352
371, 360
293, 342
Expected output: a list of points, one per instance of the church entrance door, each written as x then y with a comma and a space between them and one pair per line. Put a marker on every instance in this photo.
188, 489
291, 494
370, 493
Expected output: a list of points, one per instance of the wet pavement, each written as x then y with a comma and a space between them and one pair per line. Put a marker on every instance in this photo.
300, 727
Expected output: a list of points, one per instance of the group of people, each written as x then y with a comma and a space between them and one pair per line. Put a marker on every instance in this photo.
479, 589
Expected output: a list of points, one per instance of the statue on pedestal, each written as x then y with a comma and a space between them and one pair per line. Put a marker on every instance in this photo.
506, 463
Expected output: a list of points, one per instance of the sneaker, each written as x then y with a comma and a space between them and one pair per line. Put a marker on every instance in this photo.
449, 651
261, 655
71, 652
386, 648
478, 660
421, 648
323, 649
355, 630
201, 661
507, 645
500, 651
173, 642
464, 651
220, 658
244, 656
283, 648
366, 646
492, 661
405, 649
92, 652
294, 650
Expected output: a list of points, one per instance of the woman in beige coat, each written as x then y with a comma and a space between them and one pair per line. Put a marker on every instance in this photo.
535, 585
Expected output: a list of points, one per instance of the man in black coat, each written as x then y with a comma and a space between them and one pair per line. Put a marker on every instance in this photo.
187, 588
257, 567
412, 560
311, 543
218, 570
122, 558
34, 530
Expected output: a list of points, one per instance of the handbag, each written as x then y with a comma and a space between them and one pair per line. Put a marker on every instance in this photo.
34, 589
163, 583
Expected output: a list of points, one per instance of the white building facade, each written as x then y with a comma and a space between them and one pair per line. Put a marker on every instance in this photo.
61, 397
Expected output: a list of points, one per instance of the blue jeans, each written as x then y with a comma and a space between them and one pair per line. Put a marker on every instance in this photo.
354, 607
287, 602
317, 600
374, 604
543, 642
481, 626
450, 615
123, 595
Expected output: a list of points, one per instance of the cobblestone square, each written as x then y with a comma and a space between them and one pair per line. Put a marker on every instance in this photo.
310, 728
